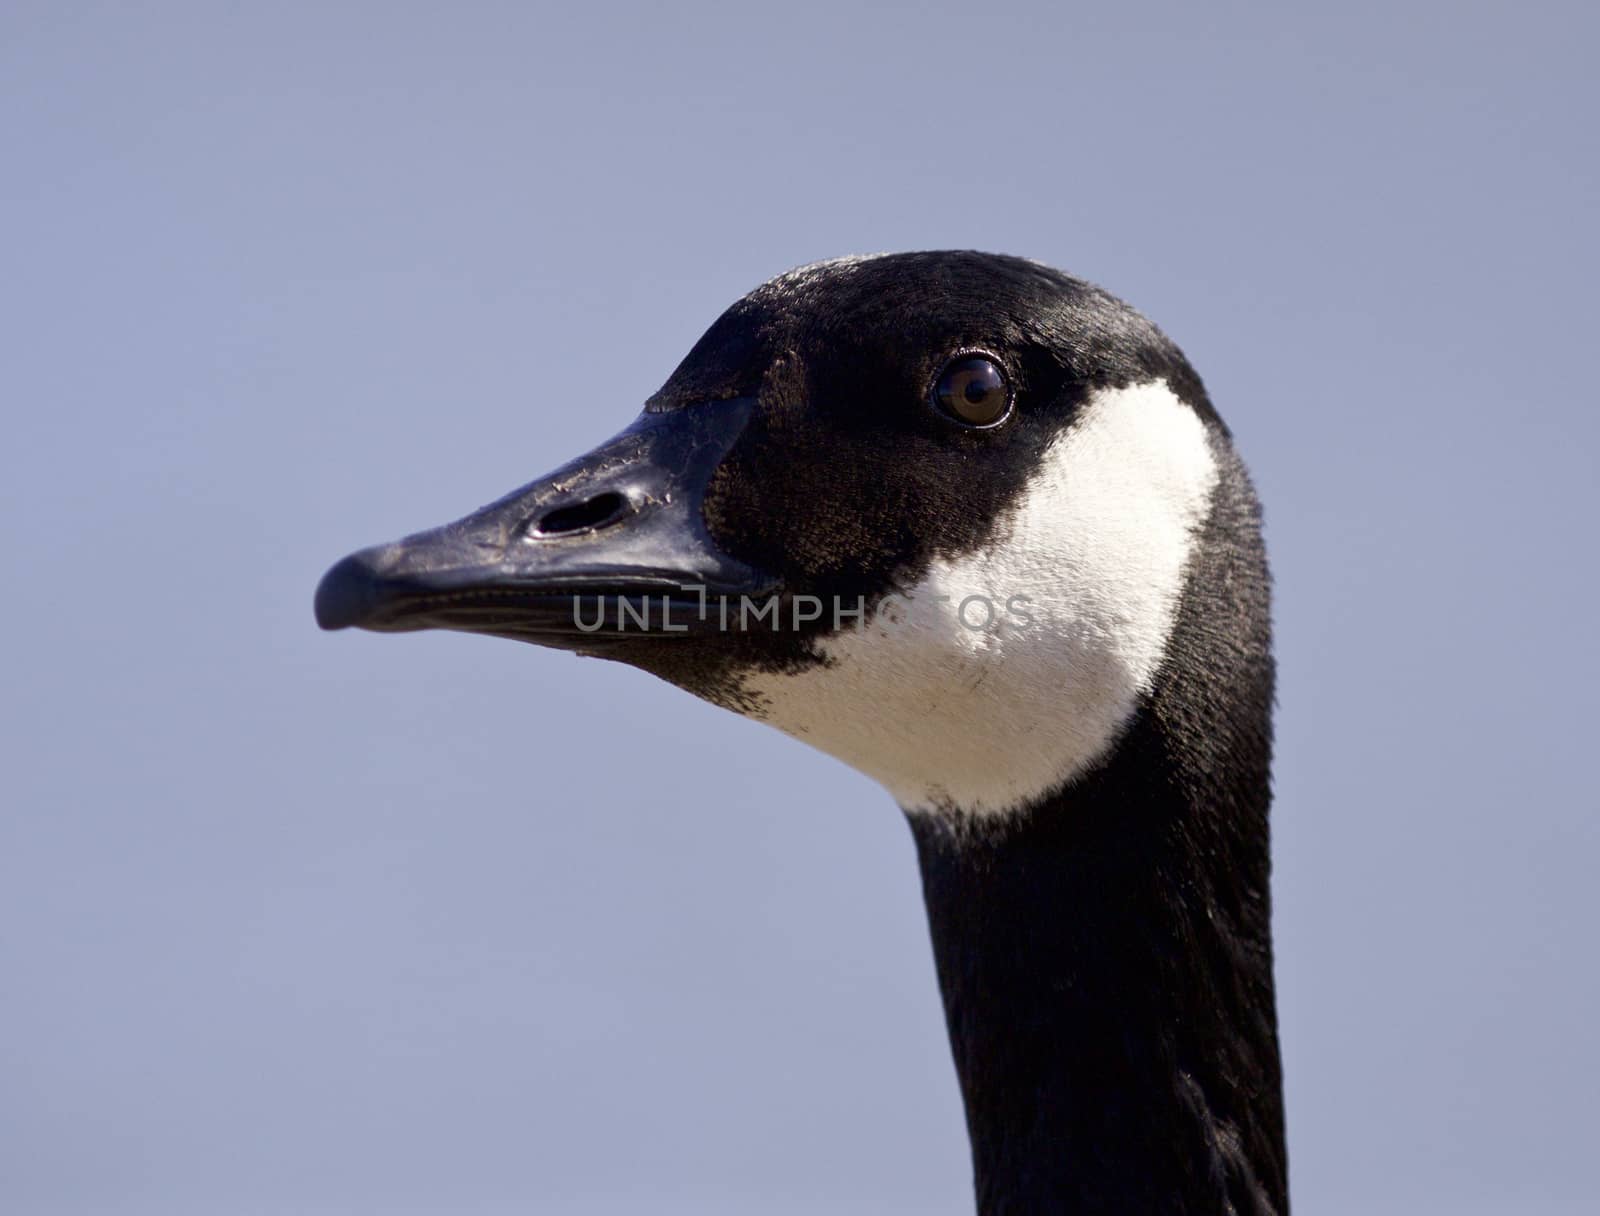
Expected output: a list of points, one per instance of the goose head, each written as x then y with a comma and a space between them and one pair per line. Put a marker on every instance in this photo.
931, 513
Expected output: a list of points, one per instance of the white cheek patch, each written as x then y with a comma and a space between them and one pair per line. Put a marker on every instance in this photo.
988, 713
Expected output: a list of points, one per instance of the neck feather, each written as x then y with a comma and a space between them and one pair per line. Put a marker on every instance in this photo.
1105, 955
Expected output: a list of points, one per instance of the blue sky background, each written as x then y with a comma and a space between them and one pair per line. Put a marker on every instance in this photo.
302, 923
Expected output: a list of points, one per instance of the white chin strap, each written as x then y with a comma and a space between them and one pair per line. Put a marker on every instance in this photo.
1005, 673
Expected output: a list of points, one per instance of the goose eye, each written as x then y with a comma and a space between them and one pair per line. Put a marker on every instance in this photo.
973, 389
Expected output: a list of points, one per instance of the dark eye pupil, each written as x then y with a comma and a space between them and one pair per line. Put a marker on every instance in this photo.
973, 390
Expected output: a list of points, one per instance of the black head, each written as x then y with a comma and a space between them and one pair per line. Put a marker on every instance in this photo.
845, 444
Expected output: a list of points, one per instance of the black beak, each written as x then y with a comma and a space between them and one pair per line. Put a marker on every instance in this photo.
612, 543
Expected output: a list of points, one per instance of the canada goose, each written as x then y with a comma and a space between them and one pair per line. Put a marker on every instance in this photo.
973, 526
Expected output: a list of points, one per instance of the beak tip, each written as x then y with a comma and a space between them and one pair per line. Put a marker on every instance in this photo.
345, 596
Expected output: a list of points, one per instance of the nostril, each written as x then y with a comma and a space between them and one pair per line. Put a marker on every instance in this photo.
594, 512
